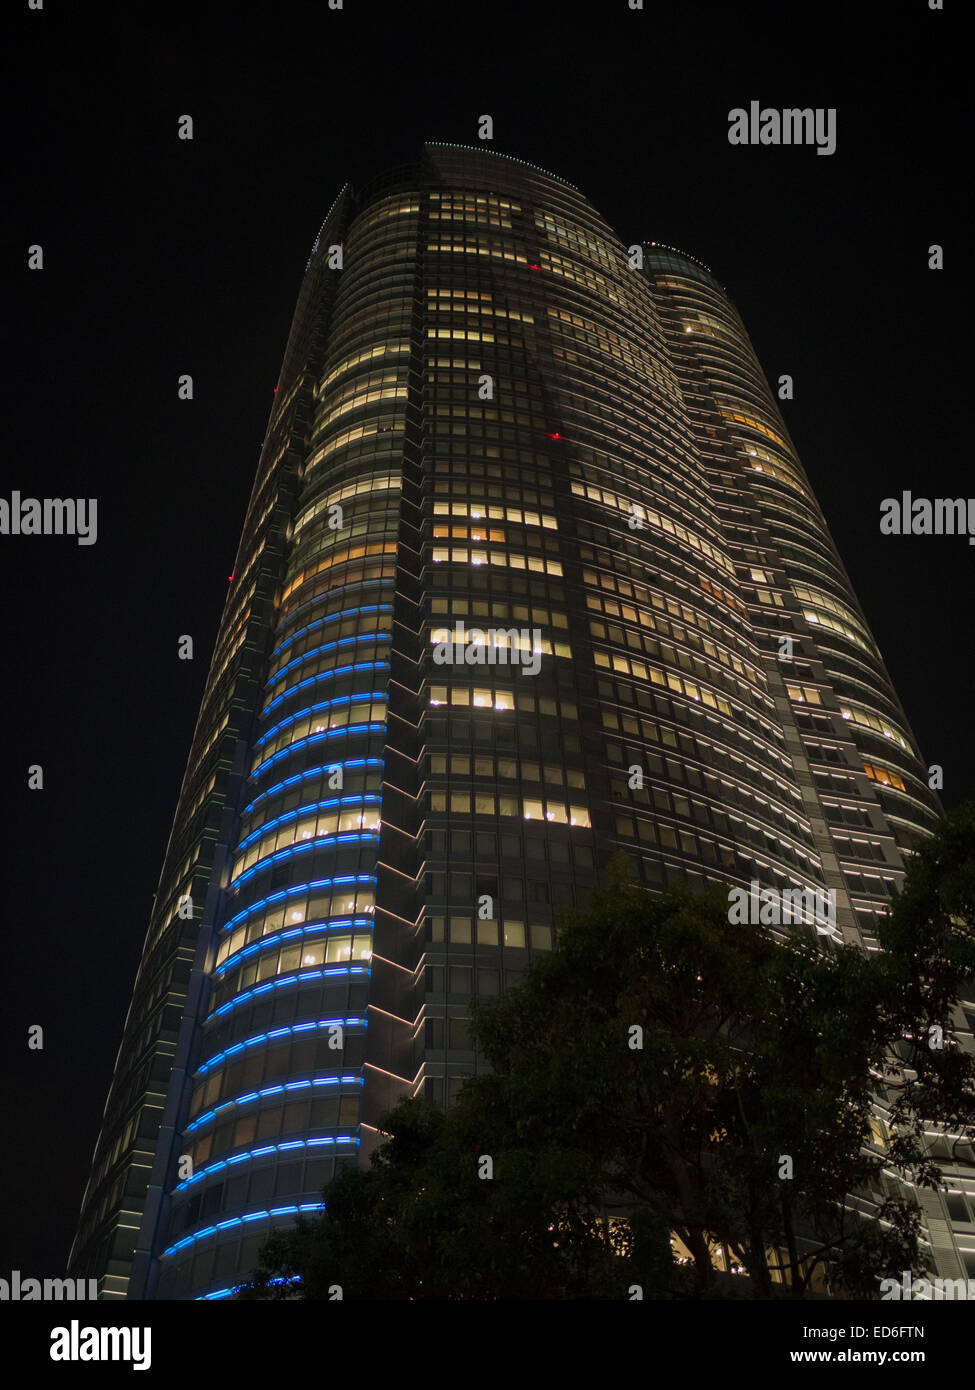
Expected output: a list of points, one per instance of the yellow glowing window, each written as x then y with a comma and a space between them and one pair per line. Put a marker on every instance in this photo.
884, 775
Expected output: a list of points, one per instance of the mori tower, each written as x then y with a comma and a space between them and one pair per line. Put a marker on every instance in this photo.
526, 516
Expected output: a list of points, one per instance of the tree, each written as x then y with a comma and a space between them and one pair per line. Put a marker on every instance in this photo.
665, 1070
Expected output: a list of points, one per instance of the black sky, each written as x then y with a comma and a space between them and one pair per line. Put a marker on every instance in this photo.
164, 257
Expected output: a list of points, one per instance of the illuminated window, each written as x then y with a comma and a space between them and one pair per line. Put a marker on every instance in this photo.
885, 775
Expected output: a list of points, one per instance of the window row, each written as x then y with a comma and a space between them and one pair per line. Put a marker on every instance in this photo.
478, 246
369, 354
341, 621
497, 611
457, 200
497, 639
331, 991
773, 799
472, 335
696, 321
753, 424
388, 207
733, 858
353, 776
277, 960
819, 599
579, 275
353, 653
499, 490
463, 307
461, 980
477, 531
486, 804
694, 617
850, 847
483, 698
640, 514
460, 555
748, 684
339, 683
303, 907
460, 765
303, 1056
777, 471
301, 827
466, 931
745, 792
761, 837
885, 775
348, 710
474, 456
477, 511
368, 430
575, 240
343, 553
300, 1116
641, 671
677, 713
361, 390
616, 584
867, 720
270, 1184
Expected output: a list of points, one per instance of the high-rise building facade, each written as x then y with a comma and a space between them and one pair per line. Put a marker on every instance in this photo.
527, 517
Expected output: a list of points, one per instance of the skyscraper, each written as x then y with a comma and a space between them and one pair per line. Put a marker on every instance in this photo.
531, 573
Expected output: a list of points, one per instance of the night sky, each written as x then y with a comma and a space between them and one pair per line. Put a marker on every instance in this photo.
164, 256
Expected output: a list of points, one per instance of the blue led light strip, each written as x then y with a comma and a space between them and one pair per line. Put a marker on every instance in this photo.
336, 803
277, 1089
226, 1293
331, 618
348, 837
239, 1221
275, 939
324, 676
317, 738
314, 709
379, 633
236, 1159
284, 1032
306, 776
298, 890
350, 588
285, 981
